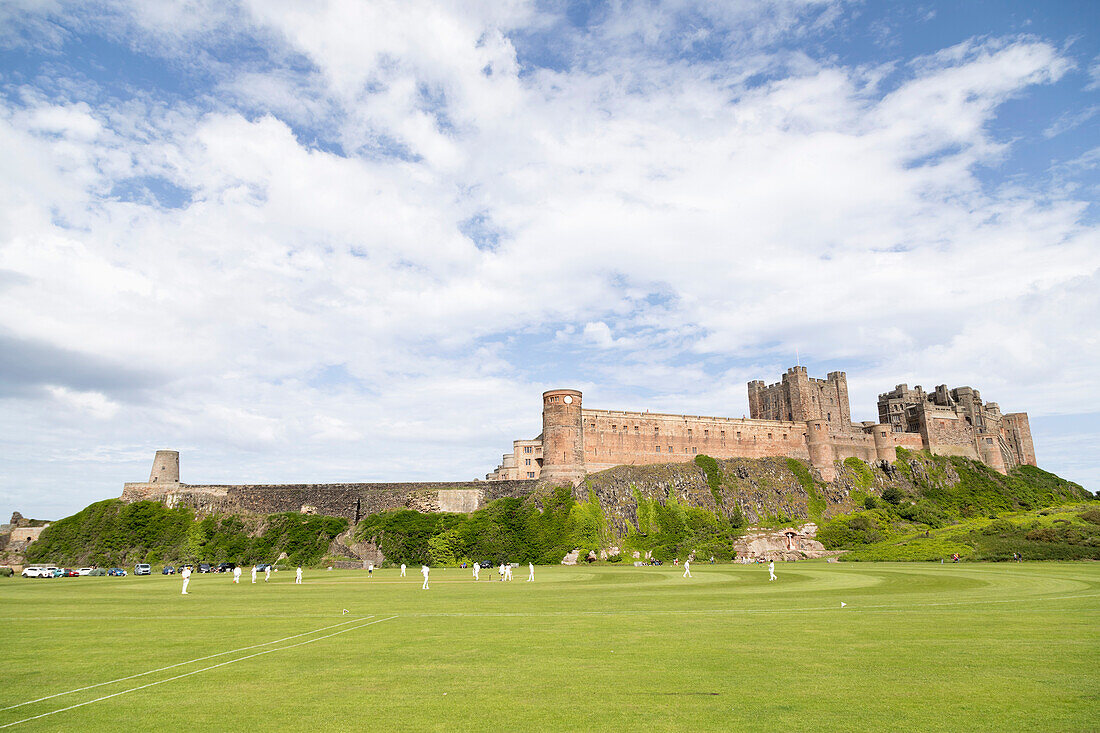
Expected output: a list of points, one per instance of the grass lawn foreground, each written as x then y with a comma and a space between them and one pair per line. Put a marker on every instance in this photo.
1009, 646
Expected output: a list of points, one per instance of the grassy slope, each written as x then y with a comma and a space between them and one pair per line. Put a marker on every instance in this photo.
919, 647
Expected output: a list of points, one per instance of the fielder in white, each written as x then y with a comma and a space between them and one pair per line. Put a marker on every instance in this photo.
298, 576
530, 571
253, 574
402, 570
687, 568
508, 571
237, 574
771, 569
477, 569
424, 570
267, 573
186, 578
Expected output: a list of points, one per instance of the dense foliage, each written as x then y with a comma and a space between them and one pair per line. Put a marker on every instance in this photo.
542, 530
113, 532
945, 516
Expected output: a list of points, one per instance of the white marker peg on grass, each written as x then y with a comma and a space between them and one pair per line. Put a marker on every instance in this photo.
843, 604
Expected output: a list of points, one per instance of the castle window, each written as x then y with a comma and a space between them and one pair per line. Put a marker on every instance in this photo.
656, 430
693, 449
657, 448
527, 449
528, 461
989, 440
689, 432
530, 474
722, 435
614, 428
769, 436
635, 428
739, 435
706, 434
670, 449
784, 437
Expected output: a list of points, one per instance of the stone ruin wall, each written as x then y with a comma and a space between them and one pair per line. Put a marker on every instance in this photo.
351, 501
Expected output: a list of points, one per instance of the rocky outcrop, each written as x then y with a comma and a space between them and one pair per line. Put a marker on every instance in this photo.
789, 543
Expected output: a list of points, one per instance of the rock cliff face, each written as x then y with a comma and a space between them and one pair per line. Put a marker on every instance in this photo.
762, 489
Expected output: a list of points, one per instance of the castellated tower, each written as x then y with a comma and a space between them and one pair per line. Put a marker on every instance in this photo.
562, 437
166, 467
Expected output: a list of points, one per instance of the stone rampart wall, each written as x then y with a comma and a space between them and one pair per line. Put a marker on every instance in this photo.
337, 500
615, 438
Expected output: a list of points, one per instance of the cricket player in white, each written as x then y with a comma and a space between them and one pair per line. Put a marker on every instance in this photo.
687, 568
253, 574
771, 569
477, 569
402, 570
500, 571
267, 572
237, 574
186, 578
530, 571
424, 570
298, 576
508, 571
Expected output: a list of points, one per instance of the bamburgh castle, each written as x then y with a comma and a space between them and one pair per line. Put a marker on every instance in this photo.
798, 416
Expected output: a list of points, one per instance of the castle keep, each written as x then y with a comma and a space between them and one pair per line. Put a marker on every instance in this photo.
799, 417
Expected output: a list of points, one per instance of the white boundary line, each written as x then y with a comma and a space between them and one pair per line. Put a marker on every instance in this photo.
188, 674
180, 664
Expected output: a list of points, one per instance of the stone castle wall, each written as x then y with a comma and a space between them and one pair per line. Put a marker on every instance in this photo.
351, 501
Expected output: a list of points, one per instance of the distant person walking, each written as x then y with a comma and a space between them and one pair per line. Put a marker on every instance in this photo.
477, 570
253, 575
530, 572
267, 572
402, 570
687, 568
370, 570
237, 575
424, 570
186, 577
298, 576
771, 570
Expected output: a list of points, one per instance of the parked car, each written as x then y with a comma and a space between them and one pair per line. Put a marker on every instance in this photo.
84, 571
226, 567
69, 573
98, 572
204, 567
119, 572
143, 569
168, 570
486, 564
38, 571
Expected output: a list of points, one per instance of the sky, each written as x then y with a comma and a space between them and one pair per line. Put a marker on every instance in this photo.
351, 241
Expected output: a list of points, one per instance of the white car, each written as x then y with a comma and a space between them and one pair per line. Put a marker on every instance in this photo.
39, 571
85, 571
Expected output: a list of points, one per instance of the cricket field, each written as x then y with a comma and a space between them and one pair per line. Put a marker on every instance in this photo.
997, 647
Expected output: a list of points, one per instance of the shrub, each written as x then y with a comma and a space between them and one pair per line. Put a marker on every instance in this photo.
6, 572
1091, 515
892, 494
615, 558
870, 502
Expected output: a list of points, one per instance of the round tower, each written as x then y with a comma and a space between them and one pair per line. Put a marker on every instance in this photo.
885, 450
562, 437
821, 448
166, 467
